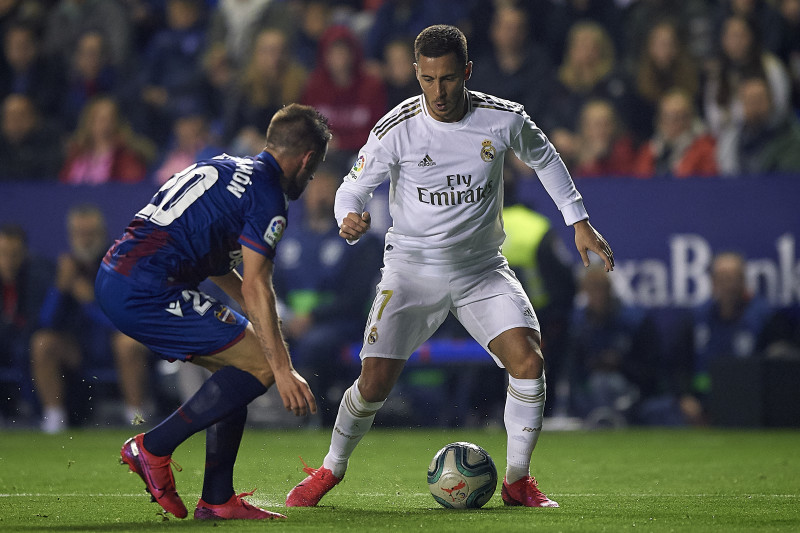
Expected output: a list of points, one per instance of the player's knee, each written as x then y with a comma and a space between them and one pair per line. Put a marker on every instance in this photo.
372, 389
529, 366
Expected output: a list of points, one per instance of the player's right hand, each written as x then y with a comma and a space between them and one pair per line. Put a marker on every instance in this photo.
354, 225
295, 393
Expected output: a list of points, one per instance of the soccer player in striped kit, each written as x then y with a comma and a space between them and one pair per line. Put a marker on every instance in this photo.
443, 154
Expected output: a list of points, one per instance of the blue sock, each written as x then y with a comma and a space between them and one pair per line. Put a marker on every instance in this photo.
222, 446
227, 390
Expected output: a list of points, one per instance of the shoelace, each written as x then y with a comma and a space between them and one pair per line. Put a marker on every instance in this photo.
245, 504
308, 469
537, 494
175, 465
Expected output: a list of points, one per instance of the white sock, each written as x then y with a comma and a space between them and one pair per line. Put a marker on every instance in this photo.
523, 419
54, 419
352, 423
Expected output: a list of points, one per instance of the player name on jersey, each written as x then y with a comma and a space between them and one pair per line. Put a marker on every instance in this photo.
241, 178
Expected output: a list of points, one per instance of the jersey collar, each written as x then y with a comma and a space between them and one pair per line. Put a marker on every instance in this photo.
448, 125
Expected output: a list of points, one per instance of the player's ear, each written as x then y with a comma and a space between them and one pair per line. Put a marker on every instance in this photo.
308, 158
468, 71
416, 69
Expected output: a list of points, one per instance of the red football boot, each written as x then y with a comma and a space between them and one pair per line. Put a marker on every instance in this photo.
310, 491
156, 473
234, 509
525, 492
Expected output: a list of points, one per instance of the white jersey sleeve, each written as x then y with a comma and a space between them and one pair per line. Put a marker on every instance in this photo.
372, 167
535, 150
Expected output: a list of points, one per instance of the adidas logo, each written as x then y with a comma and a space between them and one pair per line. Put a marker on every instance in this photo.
426, 162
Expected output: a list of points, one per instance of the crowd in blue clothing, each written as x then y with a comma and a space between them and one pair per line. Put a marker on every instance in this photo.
97, 91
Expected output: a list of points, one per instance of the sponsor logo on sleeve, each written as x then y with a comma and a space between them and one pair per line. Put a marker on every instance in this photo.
358, 168
275, 230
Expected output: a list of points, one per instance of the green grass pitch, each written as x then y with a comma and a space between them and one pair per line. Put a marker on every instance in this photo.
624, 480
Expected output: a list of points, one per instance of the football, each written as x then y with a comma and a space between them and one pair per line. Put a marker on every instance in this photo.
462, 475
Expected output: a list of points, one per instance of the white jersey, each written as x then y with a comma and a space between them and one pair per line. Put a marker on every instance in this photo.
445, 195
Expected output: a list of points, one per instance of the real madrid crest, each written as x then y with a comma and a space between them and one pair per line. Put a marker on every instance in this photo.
487, 151
372, 338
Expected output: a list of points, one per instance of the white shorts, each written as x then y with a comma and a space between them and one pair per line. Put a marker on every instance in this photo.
412, 301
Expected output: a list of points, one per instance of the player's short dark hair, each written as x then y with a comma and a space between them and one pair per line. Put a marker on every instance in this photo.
298, 128
440, 40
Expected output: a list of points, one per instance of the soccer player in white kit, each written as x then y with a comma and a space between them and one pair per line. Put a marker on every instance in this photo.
443, 153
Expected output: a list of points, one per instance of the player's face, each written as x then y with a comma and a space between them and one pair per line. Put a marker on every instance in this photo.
442, 81
296, 186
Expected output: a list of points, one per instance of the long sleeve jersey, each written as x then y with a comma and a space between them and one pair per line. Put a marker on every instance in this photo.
445, 195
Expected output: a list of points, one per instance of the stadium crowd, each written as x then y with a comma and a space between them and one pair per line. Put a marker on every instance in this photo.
99, 91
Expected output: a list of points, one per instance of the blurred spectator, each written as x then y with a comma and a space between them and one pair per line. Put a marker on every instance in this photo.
270, 80
313, 272
404, 19
588, 72
693, 20
24, 279
172, 70
681, 146
146, 18
514, 67
75, 333
28, 11
23, 70
90, 74
219, 74
315, 17
342, 90
235, 23
70, 19
731, 324
665, 64
29, 148
763, 17
604, 146
543, 264
613, 355
561, 15
789, 47
398, 72
764, 143
192, 141
742, 56
104, 148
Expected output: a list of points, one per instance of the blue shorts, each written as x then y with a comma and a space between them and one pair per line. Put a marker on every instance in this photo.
175, 323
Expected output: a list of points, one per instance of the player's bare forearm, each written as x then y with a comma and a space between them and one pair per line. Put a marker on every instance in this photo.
353, 226
589, 239
259, 298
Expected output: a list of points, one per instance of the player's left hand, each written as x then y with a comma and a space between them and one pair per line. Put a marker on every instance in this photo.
587, 238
